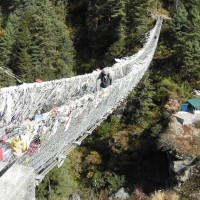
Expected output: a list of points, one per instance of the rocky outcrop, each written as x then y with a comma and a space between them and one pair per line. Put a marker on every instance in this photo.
119, 195
181, 167
74, 197
184, 141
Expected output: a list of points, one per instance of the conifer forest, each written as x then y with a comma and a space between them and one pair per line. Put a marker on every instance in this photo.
54, 39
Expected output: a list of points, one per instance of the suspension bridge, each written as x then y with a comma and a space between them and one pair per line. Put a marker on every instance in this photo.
40, 123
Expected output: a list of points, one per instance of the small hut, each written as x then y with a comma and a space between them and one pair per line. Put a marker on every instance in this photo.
194, 105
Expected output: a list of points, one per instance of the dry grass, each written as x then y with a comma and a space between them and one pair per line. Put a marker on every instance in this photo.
162, 13
172, 104
165, 195
158, 195
182, 138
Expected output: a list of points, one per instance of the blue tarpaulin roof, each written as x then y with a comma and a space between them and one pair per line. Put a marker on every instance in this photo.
195, 102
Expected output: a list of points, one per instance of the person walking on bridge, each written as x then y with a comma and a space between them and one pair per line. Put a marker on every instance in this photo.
105, 77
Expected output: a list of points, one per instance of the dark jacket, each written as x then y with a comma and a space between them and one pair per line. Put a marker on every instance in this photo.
106, 80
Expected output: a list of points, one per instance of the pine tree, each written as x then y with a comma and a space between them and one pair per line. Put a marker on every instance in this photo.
7, 41
52, 51
142, 103
117, 49
22, 61
103, 17
191, 55
138, 21
13, 11
36, 43
6, 49
185, 25
1, 18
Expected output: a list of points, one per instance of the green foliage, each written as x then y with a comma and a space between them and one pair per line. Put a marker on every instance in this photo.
87, 67
138, 22
5, 79
117, 49
7, 41
1, 17
169, 87
164, 49
22, 57
115, 181
107, 29
104, 16
99, 180
52, 52
108, 180
107, 128
60, 182
36, 42
185, 29
6, 49
142, 103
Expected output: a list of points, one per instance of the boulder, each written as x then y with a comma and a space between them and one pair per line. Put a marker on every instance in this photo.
74, 196
119, 195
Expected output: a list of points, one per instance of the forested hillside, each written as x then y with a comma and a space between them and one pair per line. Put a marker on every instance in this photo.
35, 41
52, 39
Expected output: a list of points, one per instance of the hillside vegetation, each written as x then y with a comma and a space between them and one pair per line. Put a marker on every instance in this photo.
52, 39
